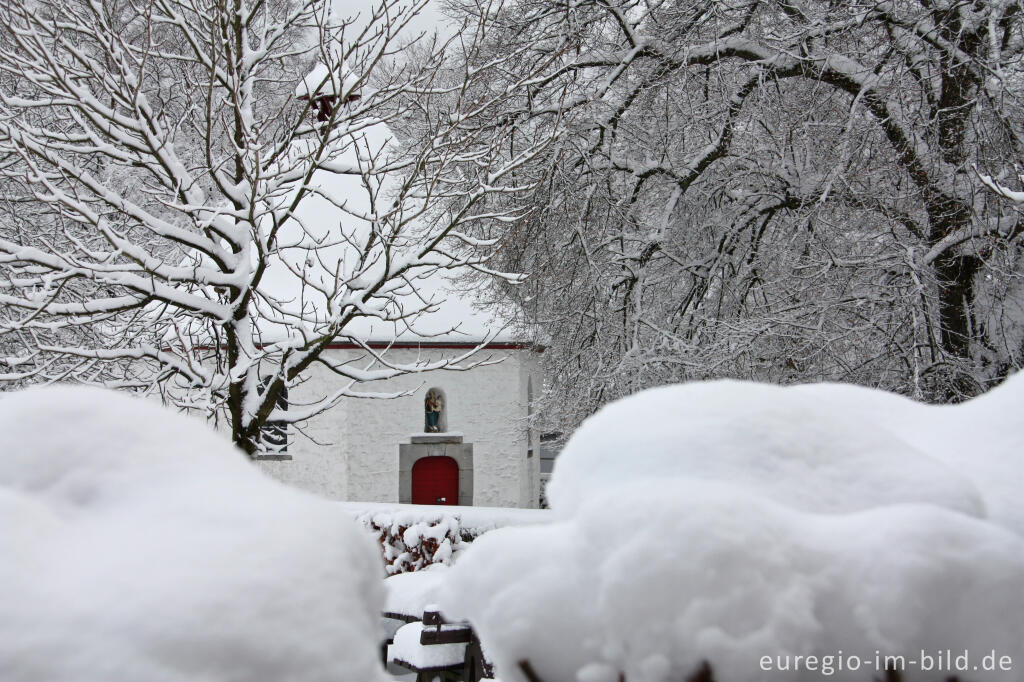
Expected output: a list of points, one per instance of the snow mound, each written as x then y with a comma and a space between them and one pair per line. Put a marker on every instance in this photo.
652, 579
982, 439
812, 449
140, 545
408, 594
731, 522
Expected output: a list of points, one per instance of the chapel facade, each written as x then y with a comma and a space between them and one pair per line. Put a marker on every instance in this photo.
457, 437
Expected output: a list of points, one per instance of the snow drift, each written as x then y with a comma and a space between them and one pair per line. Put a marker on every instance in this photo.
653, 581
816, 447
140, 545
729, 521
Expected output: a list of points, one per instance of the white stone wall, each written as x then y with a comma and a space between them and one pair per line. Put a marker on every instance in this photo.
356, 456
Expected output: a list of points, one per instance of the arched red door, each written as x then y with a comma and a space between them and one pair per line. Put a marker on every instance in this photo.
435, 480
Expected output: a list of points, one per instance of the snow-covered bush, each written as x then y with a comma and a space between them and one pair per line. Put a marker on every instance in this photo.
411, 541
412, 537
731, 523
137, 544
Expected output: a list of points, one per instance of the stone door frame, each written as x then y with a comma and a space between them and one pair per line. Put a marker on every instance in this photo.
435, 445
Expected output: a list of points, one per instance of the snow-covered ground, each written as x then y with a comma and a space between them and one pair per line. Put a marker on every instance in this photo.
730, 522
138, 545
477, 520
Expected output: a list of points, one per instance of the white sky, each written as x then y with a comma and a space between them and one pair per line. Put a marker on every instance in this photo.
428, 20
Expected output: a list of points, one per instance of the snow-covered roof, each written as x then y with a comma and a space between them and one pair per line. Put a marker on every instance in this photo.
322, 244
455, 317
321, 81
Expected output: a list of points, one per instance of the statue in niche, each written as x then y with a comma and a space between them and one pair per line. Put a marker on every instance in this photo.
433, 404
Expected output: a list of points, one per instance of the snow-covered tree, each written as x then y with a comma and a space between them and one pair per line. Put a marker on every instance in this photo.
202, 195
776, 190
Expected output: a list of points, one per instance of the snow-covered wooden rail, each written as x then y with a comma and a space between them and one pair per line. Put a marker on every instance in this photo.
434, 648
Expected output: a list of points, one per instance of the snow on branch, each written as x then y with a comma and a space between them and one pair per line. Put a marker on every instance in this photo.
194, 206
1015, 196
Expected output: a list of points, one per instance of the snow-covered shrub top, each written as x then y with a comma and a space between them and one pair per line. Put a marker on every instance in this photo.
729, 522
412, 537
410, 541
138, 544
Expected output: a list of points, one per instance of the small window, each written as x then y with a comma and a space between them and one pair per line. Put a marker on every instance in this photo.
274, 434
435, 411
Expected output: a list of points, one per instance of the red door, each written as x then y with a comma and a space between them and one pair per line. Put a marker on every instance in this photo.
435, 480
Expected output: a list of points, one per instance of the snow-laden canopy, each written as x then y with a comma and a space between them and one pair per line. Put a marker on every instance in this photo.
138, 544
728, 522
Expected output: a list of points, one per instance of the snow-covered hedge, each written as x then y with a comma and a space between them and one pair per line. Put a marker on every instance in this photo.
736, 524
412, 537
410, 541
137, 544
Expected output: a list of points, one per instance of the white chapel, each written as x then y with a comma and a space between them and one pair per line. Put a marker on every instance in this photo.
450, 436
